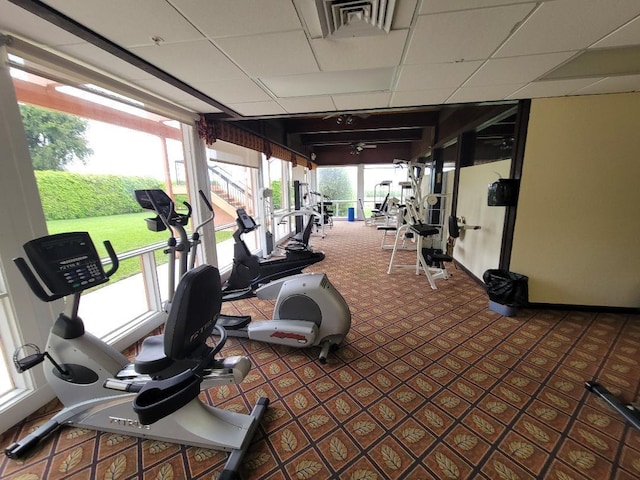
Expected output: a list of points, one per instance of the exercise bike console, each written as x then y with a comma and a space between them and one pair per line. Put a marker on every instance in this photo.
67, 263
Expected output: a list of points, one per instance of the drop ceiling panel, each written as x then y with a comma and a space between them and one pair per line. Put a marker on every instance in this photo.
601, 62
626, 35
467, 35
440, 6
330, 83
435, 76
568, 25
223, 18
286, 53
626, 83
92, 55
360, 52
421, 97
16, 20
129, 23
483, 93
403, 14
307, 104
552, 88
258, 108
179, 59
236, 91
362, 101
516, 69
165, 90
199, 106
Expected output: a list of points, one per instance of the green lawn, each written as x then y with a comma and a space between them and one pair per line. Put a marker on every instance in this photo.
125, 232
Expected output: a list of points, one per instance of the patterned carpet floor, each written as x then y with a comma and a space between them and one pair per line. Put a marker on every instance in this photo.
430, 384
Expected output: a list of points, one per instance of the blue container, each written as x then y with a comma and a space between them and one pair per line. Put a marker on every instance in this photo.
351, 214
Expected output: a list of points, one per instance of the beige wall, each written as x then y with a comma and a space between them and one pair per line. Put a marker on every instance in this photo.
578, 223
479, 250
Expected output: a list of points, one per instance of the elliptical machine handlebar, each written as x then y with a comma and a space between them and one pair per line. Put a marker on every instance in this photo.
195, 237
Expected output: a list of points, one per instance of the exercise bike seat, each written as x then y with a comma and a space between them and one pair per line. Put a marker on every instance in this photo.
151, 357
192, 317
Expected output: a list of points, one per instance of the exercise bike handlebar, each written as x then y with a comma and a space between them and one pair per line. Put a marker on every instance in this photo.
36, 286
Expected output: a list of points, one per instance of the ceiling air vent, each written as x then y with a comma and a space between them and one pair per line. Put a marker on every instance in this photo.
350, 18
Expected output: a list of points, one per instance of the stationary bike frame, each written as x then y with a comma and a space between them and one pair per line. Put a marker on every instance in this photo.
97, 386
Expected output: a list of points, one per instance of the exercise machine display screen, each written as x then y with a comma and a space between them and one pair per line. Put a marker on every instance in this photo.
247, 222
66, 262
147, 199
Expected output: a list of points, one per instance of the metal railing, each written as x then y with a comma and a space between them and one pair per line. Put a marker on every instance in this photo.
223, 184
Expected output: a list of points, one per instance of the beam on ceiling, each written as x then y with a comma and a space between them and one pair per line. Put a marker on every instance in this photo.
383, 121
471, 118
407, 135
343, 155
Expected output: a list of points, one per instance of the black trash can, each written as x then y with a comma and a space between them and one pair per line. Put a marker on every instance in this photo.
507, 291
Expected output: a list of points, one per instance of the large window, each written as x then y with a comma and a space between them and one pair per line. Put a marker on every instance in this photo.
339, 186
380, 181
89, 154
73, 155
277, 178
233, 176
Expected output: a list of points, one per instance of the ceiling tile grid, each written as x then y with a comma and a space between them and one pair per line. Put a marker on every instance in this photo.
283, 53
566, 25
260, 58
130, 24
463, 35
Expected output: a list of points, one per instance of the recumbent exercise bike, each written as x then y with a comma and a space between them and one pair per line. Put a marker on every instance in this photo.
155, 397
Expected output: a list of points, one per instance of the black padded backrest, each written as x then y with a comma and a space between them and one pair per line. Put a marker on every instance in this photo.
306, 233
194, 311
383, 205
454, 230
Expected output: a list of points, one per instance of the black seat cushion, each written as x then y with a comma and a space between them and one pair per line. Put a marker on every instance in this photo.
424, 230
151, 358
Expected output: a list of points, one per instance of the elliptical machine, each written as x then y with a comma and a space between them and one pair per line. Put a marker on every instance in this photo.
250, 271
156, 396
309, 311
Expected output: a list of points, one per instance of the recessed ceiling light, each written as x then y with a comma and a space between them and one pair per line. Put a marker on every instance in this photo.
601, 62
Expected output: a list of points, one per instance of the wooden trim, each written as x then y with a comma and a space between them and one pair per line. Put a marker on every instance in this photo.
49, 97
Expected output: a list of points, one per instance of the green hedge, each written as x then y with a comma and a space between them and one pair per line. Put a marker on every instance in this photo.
70, 195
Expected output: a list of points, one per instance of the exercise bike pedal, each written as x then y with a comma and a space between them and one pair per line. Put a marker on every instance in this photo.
30, 361
36, 358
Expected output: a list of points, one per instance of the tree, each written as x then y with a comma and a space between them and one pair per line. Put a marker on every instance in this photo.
54, 138
276, 197
335, 183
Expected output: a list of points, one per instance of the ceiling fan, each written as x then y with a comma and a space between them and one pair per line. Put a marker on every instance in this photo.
356, 148
345, 118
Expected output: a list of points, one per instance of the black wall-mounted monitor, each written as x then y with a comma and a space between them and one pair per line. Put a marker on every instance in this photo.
503, 193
